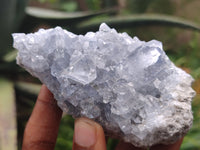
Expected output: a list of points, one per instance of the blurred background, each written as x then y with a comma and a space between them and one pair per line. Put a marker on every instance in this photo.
174, 22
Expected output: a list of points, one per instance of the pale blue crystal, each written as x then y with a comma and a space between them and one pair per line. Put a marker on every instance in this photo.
129, 86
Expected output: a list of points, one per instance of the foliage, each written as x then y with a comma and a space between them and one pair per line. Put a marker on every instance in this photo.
94, 4
184, 54
64, 140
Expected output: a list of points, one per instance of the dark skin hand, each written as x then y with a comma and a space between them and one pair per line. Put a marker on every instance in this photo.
42, 129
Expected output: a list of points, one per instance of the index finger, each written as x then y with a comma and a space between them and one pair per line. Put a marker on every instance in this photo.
42, 128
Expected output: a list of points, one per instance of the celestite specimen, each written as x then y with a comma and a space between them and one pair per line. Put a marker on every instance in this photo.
129, 86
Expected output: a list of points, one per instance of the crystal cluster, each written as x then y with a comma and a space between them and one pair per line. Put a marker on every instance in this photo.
129, 86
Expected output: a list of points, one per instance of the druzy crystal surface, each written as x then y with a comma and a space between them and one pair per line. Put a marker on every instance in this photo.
129, 86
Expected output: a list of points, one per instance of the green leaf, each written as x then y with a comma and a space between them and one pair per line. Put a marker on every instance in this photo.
65, 134
11, 56
30, 90
137, 21
36, 16
11, 68
70, 6
53, 14
11, 14
8, 130
7, 15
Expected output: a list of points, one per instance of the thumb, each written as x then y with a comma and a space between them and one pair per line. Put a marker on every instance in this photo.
88, 135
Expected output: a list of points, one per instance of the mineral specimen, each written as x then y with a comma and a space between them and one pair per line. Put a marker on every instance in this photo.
129, 86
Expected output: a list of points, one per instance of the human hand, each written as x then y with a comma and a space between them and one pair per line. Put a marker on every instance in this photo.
42, 129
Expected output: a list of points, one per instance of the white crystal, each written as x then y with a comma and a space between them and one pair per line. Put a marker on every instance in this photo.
129, 86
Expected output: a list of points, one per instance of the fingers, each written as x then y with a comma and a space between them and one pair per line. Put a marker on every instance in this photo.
88, 135
42, 127
126, 146
175, 146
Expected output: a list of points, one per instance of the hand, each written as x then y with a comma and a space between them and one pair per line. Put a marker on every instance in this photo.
42, 129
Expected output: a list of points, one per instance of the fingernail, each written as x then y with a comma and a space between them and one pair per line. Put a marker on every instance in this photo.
85, 134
